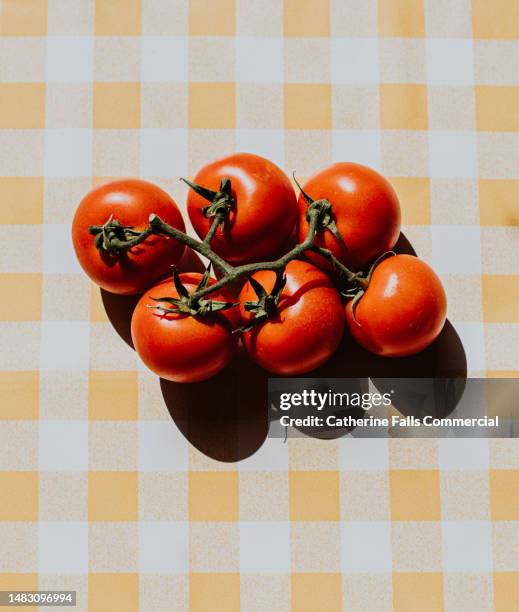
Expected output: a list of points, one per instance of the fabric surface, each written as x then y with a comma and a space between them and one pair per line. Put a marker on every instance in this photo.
99, 490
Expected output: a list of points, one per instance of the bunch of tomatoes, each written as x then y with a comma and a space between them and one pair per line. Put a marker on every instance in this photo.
312, 265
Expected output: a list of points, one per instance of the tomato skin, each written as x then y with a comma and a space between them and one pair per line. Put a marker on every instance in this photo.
131, 201
403, 309
365, 210
307, 328
180, 347
265, 212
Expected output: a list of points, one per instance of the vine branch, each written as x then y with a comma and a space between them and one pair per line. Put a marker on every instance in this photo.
114, 238
232, 273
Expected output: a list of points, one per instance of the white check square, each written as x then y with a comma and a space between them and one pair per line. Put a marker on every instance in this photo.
366, 547
63, 446
163, 152
259, 59
449, 61
65, 345
467, 546
163, 547
164, 59
456, 249
271, 456
359, 146
463, 454
68, 152
264, 547
63, 548
355, 61
58, 252
267, 143
363, 454
70, 59
162, 448
453, 154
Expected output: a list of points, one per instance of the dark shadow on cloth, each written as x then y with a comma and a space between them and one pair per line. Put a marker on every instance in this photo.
224, 417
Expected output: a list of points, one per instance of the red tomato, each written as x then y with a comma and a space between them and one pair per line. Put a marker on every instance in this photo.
307, 327
403, 309
131, 201
264, 213
180, 347
365, 210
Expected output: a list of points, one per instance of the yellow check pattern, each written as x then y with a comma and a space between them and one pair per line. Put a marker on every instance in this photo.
100, 492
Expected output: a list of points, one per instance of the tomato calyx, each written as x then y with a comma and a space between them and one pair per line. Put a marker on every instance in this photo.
187, 303
325, 220
221, 201
114, 238
357, 292
378, 260
267, 303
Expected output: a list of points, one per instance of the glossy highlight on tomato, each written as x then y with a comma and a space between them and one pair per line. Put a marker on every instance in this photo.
403, 309
131, 201
264, 214
365, 209
180, 347
307, 327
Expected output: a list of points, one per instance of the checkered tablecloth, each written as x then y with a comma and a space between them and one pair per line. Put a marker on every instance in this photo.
99, 491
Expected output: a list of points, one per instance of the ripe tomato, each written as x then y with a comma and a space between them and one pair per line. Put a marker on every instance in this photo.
308, 324
403, 309
130, 201
365, 209
264, 212
181, 347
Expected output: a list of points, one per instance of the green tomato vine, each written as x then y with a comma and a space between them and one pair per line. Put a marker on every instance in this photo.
114, 239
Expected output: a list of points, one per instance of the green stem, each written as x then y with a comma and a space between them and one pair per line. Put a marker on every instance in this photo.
119, 246
114, 239
214, 226
352, 277
232, 273
248, 269
110, 236
158, 226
